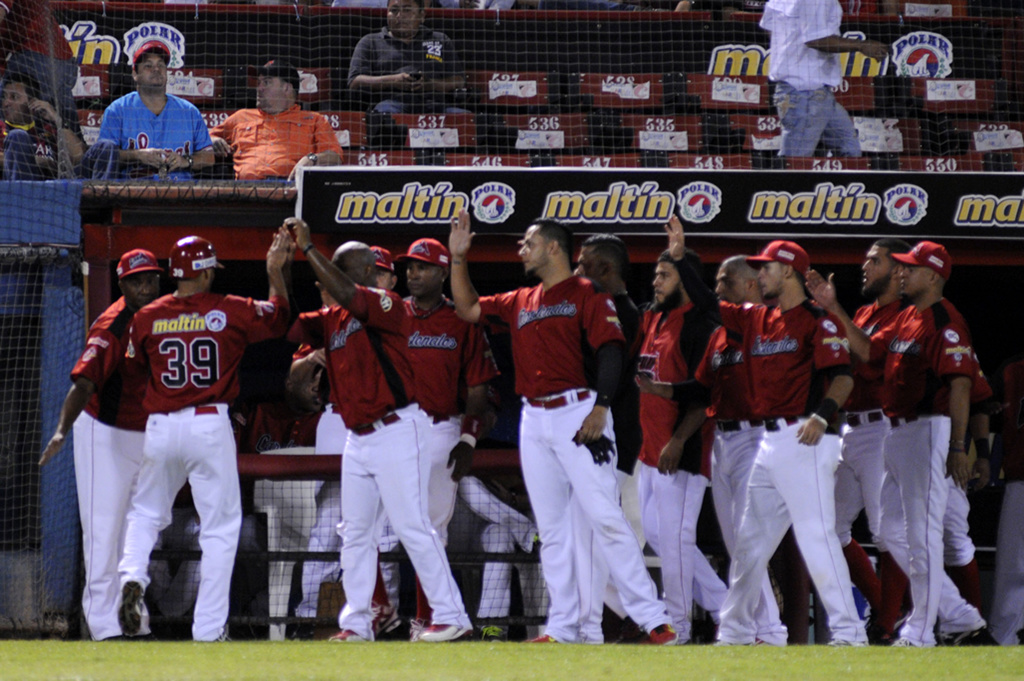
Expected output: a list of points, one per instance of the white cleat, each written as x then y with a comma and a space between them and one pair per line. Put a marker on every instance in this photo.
440, 633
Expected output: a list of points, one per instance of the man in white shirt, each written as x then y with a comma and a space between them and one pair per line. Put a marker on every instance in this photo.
805, 47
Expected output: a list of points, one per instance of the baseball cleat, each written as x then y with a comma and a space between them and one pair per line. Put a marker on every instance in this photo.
662, 635
836, 643
877, 635
441, 633
543, 639
347, 636
416, 628
976, 637
129, 615
904, 643
385, 620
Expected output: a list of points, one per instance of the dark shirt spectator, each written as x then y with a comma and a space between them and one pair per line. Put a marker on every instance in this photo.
31, 133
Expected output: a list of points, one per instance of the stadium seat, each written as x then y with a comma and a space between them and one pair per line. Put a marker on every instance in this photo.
933, 8
632, 91
438, 131
202, 87
942, 164
489, 160
93, 83
664, 133
888, 135
379, 158
857, 95
547, 132
349, 127
958, 96
993, 136
90, 121
510, 88
315, 87
600, 161
827, 164
730, 93
758, 132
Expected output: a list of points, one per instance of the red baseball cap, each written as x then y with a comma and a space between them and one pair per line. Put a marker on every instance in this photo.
928, 254
383, 258
785, 252
137, 260
429, 251
154, 46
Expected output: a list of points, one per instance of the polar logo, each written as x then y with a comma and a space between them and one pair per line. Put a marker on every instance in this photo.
906, 204
923, 54
494, 202
699, 202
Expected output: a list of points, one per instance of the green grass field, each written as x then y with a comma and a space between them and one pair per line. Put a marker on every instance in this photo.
480, 662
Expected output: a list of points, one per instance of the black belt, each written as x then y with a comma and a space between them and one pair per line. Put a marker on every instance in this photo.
734, 426
855, 420
897, 421
774, 425
383, 421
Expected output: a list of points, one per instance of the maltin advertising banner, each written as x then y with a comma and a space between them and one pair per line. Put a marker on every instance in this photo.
740, 203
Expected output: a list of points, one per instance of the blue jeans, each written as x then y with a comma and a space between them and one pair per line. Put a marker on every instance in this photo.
20, 158
810, 116
56, 79
100, 162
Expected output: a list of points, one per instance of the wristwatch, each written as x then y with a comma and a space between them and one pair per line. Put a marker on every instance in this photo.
313, 158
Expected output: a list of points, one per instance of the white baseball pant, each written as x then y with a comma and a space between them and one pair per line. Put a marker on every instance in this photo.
791, 483
733, 457
670, 506
915, 475
555, 470
1007, 616
859, 476
386, 470
441, 489
331, 435
958, 548
200, 449
107, 462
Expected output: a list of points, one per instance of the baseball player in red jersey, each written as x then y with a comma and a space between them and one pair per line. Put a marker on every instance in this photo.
191, 343
566, 439
385, 272
452, 359
674, 333
107, 439
1007, 616
928, 367
384, 467
799, 361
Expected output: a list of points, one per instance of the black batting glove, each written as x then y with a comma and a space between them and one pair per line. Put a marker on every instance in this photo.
601, 449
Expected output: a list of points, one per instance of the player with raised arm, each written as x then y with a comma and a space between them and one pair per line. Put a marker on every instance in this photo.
191, 344
108, 439
567, 350
384, 467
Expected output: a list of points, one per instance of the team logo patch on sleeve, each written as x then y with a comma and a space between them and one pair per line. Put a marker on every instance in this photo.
96, 340
951, 335
264, 307
829, 326
130, 352
216, 320
89, 354
385, 301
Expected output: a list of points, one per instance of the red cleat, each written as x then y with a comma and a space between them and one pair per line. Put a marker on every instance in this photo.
347, 636
543, 639
662, 635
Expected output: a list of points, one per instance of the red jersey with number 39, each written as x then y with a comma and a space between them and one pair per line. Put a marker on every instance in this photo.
554, 332
367, 362
192, 346
120, 386
788, 352
922, 350
449, 355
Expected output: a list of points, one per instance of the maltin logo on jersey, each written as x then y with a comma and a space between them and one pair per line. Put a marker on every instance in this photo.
154, 30
906, 204
699, 202
216, 320
923, 54
494, 202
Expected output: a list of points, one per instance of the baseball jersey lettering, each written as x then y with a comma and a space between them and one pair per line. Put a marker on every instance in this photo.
724, 371
551, 328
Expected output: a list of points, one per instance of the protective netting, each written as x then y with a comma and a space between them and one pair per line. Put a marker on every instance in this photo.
549, 82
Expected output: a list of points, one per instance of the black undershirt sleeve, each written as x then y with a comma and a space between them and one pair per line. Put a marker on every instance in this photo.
609, 367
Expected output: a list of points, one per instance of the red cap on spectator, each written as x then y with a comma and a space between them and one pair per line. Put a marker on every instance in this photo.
785, 252
383, 257
137, 260
928, 254
154, 46
429, 251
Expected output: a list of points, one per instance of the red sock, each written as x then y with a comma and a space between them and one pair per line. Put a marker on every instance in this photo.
894, 588
423, 609
380, 592
862, 572
967, 581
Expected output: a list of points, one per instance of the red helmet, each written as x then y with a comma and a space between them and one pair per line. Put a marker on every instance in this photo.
190, 256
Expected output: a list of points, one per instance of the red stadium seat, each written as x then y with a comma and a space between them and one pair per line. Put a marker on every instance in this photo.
729, 93
760, 132
971, 163
827, 164
986, 136
379, 158
315, 85
90, 121
954, 95
622, 90
510, 88
711, 161
489, 160
214, 117
664, 133
202, 87
600, 161
548, 132
349, 127
438, 131
888, 135
856, 94
93, 82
